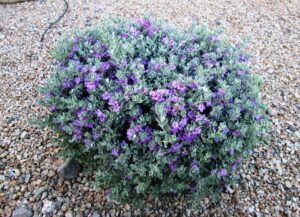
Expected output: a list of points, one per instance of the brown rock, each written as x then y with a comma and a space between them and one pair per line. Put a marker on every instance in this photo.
69, 169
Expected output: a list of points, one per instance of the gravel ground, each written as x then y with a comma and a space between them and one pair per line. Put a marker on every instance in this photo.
269, 181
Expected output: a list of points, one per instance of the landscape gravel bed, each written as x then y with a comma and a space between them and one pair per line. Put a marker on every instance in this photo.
29, 181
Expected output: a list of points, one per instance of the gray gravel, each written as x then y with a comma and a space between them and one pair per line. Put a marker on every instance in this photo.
269, 181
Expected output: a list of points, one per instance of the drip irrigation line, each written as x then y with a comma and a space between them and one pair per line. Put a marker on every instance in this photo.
56, 21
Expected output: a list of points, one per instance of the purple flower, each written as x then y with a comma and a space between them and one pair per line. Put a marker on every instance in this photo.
48, 94
90, 40
175, 127
259, 118
191, 136
150, 31
135, 33
242, 108
148, 130
124, 35
209, 104
131, 79
223, 173
185, 152
107, 193
240, 72
234, 165
77, 80
208, 64
114, 104
212, 38
175, 148
145, 23
76, 40
157, 95
67, 84
231, 151
80, 113
195, 166
77, 133
203, 119
174, 99
129, 177
130, 133
253, 101
115, 152
156, 67
229, 189
90, 85
153, 147
193, 85
75, 48
92, 82
172, 67
71, 55
84, 69
190, 49
138, 128
106, 96
87, 142
123, 144
53, 108
105, 66
183, 123
168, 41
196, 131
243, 58
221, 92
97, 54
178, 86
104, 47
100, 115
122, 81
191, 114
201, 107
124, 62
225, 130
94, 69
88, 125
214, 171
172, 166
105, 55
236, 133
95, 135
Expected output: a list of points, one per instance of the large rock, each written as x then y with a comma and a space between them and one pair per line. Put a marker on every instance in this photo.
38, 193
22, 212
12, 1
272, 112
69, 169
48, 207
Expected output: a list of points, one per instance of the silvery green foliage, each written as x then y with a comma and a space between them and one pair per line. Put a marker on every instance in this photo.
156, 111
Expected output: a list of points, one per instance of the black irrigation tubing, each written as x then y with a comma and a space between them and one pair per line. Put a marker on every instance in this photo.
56, 21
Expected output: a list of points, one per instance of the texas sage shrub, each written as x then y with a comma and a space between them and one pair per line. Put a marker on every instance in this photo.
156, 111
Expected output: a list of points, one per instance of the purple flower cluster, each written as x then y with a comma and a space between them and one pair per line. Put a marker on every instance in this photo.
165, 105
140, 134
111, 101
159, 95
88, 77
100, 115
147, 26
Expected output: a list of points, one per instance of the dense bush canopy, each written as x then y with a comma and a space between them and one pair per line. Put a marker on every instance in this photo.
157, 110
